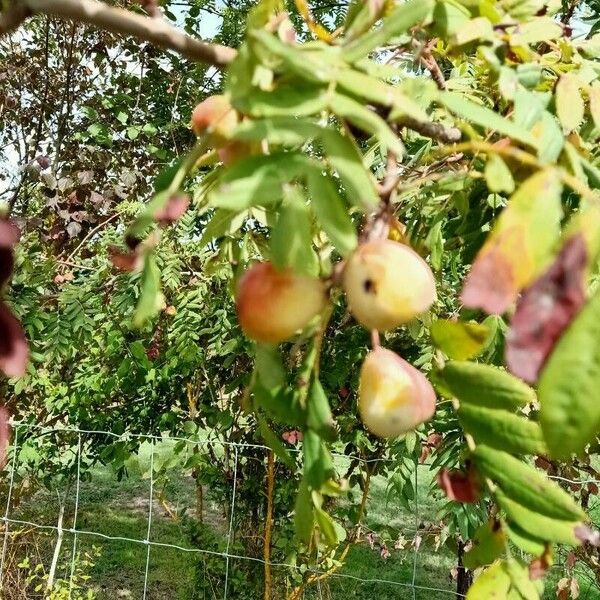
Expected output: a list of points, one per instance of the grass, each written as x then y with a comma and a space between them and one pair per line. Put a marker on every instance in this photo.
120, 509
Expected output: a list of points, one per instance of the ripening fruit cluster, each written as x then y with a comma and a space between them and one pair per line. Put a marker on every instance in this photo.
387, 284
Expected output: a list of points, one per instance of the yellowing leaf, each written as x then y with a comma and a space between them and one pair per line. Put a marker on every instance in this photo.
518, 246
459, 340
594, 95
538, 29
493, 584
569, 102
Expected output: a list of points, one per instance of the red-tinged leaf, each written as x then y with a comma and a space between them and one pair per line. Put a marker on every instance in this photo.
492, 285
14, 350
125, 261
9, 236
545, 310
587, 535
518, 246
4, 435
172, 210
459, 486
539, 566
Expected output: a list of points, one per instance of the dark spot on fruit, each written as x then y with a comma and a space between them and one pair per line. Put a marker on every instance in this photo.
369, 286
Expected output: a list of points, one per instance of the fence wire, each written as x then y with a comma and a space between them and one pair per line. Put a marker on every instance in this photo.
19, 427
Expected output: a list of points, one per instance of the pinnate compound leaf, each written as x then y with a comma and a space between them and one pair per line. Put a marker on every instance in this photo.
518, 245
458, 339
545, 310
569, 383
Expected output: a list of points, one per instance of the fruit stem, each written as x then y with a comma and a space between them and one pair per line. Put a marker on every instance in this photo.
375, 342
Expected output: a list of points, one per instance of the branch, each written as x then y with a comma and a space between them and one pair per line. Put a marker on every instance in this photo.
116, 20
436, 131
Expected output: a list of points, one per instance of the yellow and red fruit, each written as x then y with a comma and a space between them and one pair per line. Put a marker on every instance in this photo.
394, 397
274, 304
216, 116
387, 284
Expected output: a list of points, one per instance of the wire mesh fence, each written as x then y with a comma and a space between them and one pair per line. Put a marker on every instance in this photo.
72, 531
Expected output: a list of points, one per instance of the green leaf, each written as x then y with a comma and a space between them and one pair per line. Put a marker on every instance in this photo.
376, 91
345, 158
488, 544
331, 212
319, 417
484, 385
151, 299
269, 366
485, 117
326, 525
133, 132
304, 513
478, 29
292, 59
365, 119
502, 430
569, 383
273, 441
537, 29
536, 524
458, 339
291, 238
498, 176
285, 100
525, 541
399, 21
257, 180
526, 485
519, 577
569, 102
281, 404
318, 464
284, 131
594, 96
221, 223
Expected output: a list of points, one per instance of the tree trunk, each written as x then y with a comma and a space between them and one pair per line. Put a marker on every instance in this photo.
464, 577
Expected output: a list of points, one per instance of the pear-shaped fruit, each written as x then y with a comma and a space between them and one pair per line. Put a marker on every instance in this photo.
272, 305
394, 397
387, 284
214, 115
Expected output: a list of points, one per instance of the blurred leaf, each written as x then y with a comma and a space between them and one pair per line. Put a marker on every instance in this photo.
275, 444
488, 544
570, 414
292, 239
287, 131
331, 212
345, 158
569, 102
151, 299
319, 417
458, 339
304, 513
498, 176
485, 117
